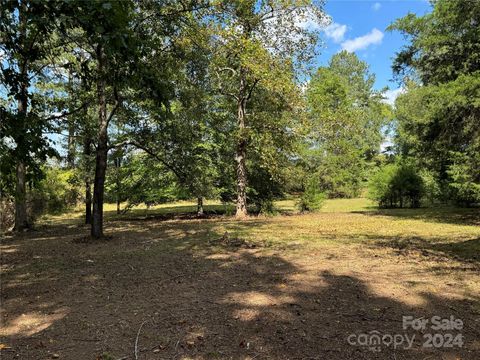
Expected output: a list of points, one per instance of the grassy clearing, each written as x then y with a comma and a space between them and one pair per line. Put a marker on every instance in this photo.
212, 206
292, 286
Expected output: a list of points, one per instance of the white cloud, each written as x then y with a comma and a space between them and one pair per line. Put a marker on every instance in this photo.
374, 37
391, 95
336, 32
376, 6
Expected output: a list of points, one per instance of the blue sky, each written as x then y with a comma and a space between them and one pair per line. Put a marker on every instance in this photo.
359, 26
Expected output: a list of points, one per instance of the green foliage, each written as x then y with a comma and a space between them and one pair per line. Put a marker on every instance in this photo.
141, 179
396, 185
443, 44
27, 44
263, 189
438, 115
432, 189
312, 198
346, 117
465, 184
56, 192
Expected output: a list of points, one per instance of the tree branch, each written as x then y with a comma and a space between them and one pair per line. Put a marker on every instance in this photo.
251, 89
178, 173
66, 113
116, 105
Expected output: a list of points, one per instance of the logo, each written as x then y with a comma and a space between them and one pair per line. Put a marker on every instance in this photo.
437, 332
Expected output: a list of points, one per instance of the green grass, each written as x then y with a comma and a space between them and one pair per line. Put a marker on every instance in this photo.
212, 206
451, 231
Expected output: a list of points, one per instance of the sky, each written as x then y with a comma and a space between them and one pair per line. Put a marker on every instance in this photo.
360, 26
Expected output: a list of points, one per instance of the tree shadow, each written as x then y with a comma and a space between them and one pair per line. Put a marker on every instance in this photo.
198, 301
467, 251
447, 215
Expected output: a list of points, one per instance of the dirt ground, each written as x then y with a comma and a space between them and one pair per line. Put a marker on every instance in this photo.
287, 287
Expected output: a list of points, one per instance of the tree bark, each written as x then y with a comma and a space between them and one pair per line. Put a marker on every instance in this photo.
71, 144
118, 164
200, 206
21, 218
88, 202
88, 190
102, 150
71, 136
241, 149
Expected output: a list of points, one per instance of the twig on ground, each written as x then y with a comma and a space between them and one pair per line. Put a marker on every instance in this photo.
136, 339
176, 277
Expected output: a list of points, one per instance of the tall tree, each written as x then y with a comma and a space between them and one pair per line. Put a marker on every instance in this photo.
438, 115
105, 31
255, 43
28, 50
346, 116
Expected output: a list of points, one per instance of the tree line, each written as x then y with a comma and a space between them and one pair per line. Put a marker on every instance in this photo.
158, 100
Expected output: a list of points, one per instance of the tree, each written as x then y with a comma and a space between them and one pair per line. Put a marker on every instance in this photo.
173, 119
346, 117
28, 50
396, 185
105, 30
255, 43
439, 113
442, 44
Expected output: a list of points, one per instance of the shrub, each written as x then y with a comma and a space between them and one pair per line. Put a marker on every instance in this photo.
56, 192
396, 185
263, 189
268, 208
312, 198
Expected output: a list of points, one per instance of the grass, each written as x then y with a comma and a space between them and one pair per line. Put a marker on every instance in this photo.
340, 221
209, 286
141, 210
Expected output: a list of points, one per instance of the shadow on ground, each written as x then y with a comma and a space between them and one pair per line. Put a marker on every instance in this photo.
461, 216
196, 299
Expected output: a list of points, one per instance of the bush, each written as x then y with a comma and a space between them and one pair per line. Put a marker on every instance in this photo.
56, 192
263, 189
397, 185
265, 207
312, 198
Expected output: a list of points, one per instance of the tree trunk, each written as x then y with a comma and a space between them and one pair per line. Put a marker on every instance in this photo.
71, 144
21, 218
118, 164
71, 135
200, 206
88, 190
102, 149
241, 211
88, 202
